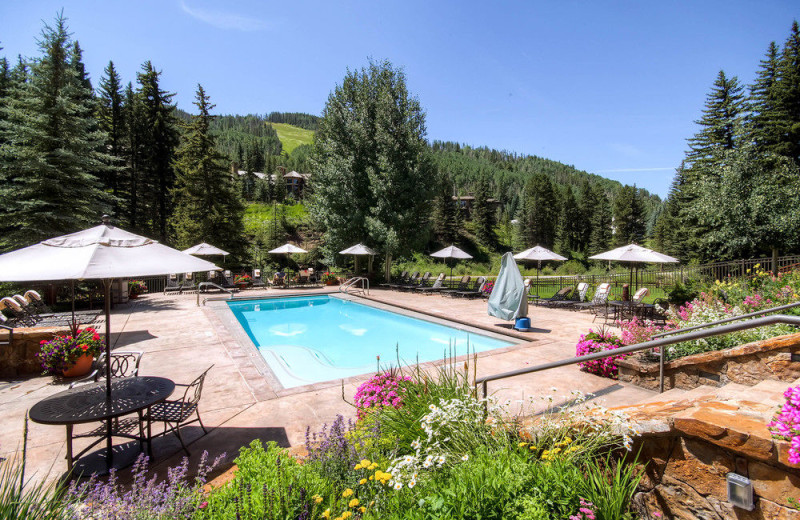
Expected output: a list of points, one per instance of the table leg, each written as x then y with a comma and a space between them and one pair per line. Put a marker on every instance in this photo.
69, 447
109, 445
149, 435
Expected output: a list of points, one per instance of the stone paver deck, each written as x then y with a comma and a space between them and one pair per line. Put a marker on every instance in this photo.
180, 340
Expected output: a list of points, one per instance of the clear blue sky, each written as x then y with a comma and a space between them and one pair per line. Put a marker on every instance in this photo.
609, 87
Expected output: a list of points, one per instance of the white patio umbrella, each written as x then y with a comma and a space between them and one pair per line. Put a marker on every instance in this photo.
287, 249
634, 254
359, 250
538, 253
203, 249
451, 252
103, 252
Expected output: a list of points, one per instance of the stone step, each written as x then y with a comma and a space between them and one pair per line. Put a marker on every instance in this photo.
733, 391
769, 385
698, 392
670, 395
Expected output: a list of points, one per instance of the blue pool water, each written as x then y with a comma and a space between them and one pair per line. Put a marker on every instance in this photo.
321, 338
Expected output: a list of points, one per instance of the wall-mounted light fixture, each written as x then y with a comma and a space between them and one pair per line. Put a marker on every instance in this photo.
740, 491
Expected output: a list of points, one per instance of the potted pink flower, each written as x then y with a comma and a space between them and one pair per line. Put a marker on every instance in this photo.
71, 355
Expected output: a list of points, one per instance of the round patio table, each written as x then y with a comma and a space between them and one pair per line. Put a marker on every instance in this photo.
89, 403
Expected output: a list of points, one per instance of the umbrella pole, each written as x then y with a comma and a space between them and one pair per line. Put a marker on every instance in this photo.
107, 304
538, 268
72, 292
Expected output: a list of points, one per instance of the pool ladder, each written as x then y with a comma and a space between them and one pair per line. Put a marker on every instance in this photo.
357, 284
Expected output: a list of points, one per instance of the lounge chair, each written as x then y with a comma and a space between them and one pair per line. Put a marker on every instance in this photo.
600, 297
419, 283
172, 284
436, 286
257, 281
35, 299
578, 296
463, 285
227, 280
475, 292
188, 284
411, 280
400, 278
560, 296
17, 312
279, 279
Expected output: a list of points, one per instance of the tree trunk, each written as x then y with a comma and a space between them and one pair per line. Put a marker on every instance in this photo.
388, 268
775, 261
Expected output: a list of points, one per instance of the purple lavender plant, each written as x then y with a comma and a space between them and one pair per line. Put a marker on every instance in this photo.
175, 497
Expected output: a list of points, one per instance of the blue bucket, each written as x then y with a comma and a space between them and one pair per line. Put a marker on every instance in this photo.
522, 324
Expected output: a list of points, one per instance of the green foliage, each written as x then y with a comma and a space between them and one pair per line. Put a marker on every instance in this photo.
20, 499
629, 223
206, 206
53, 151
445, 221
298, 119
684, 292
372, 174
540, 212
483, 215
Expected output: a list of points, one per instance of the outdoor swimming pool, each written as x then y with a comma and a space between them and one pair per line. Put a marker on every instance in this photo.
321, 338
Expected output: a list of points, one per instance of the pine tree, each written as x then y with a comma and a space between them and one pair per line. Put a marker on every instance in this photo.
569, 225
763, 117
207, 208
52, 151
541, 211
587, 206
601, 222
157, 137
110, 120
720, 125
445, 225
483, 215
129, 181
629, 222
788, 97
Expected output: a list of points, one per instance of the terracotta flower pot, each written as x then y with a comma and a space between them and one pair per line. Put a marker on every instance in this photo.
81, 366
330, 282
133, 296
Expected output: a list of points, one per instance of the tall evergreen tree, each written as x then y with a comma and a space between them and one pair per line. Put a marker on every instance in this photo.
763, 121
601, 222
110, 119
541, 211
372, 169
52, 149
629, 219
587, 207
445, 225
569, 224
157, 137
483, 215
207, 207
788, 97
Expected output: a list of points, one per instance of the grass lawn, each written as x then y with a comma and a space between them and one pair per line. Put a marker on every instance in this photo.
257, 215
292, 136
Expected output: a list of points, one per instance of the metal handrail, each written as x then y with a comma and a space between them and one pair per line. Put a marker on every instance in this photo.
728, 320
349, 284
656, 343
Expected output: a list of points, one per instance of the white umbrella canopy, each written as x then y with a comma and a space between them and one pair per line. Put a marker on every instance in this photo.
451, 252
287, 249
633, 254
103, 253
203, 249
537, 254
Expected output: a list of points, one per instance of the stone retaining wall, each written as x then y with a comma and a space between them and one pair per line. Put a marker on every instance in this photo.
19, 358
746, 364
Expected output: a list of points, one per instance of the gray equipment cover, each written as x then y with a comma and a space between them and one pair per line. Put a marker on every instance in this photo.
508, 300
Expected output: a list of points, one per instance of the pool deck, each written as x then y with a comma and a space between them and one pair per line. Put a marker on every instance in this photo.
239, 404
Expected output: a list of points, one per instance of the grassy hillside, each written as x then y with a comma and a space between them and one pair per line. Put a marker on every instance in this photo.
292, 136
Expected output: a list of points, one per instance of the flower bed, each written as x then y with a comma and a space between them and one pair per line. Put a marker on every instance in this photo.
602, 340
437, 453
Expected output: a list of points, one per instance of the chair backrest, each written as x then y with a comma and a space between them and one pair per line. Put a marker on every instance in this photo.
582, 288
188, 277
173, 276
403, 276
256, 273
601, 294
426, 276
414, 276
124, 363
34, 297
464, 279
439, 281
227, 275
640, 294
478, 285
21, 300
563, 292
11, 304
212, 275
194, 390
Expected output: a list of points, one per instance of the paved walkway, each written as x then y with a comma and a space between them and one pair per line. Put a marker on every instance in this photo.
180, 340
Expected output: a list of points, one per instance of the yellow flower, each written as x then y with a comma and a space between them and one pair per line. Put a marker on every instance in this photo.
326, 513
371, 477
362, 509
347, 493
533, 448
365, 462
346, 515
353, 503
362, 481
556, 450
568, 440
358, 466
373, 466
317, 499
522, 444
